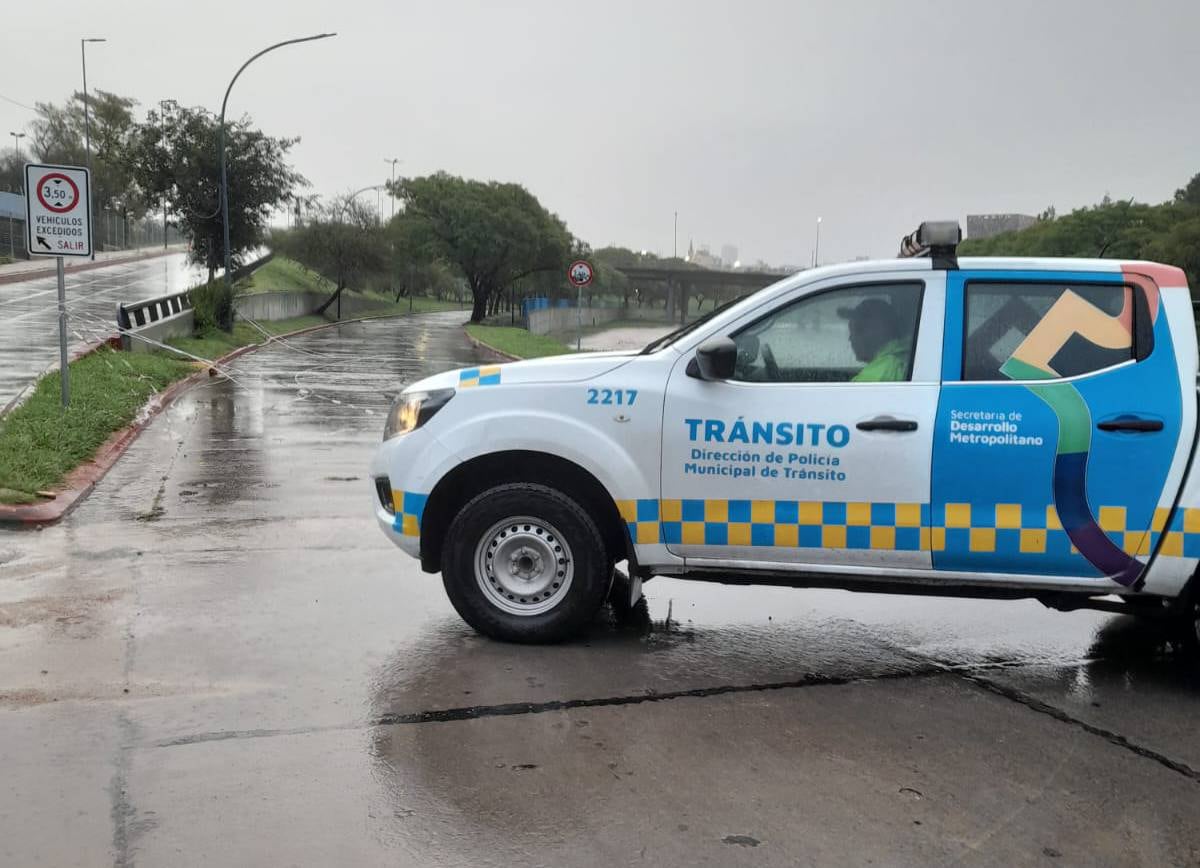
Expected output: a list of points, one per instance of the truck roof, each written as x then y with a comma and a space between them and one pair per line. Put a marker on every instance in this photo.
1164, 275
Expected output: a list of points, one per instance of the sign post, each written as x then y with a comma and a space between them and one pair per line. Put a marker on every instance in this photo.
580, 274
58, 223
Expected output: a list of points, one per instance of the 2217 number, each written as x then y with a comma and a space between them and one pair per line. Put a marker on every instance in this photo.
624, 397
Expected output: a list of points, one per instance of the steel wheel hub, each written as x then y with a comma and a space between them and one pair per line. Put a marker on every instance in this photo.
523, 566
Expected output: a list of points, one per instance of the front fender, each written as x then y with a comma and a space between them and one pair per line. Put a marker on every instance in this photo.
607, 456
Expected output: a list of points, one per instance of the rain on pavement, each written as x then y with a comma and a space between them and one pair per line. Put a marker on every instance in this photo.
219, 660
29, 311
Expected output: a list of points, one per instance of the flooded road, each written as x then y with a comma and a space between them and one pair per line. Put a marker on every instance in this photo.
29, 311
219, 660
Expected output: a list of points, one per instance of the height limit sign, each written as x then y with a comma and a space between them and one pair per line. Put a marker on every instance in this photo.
57, 210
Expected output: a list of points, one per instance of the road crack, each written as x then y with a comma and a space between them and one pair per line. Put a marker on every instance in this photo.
1111, 736
476, 712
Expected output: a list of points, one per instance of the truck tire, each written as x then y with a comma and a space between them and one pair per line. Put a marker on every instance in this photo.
525, 563
1188, 624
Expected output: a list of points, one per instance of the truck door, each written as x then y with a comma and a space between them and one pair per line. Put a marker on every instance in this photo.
1059, 420
817, 452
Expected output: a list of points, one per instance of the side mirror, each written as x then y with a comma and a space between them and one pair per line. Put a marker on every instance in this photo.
715, 360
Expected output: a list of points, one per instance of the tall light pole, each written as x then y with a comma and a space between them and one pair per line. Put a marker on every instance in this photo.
817, 249
350, 199
393, 161
16, 147
224, 102
676, 253
87, 124
162, 117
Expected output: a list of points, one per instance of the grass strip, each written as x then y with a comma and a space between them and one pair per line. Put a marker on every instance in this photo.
41, 441
517, 342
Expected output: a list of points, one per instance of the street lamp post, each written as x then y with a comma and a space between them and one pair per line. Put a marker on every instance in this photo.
224, 102
162, 117
393, 161
817, 249
87, 124
16, 147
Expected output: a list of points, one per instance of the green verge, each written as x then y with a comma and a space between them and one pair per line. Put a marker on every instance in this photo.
213, 344
41, 442
287, 275
283, 275
516, 342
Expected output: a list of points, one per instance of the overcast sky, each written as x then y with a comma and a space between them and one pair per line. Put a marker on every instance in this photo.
750, 118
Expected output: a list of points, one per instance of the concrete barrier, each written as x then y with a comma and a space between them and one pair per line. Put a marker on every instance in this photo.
269, 306
155, 319
564, 319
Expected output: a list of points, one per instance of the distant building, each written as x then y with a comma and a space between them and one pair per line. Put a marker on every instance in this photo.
702, 257
987, 225
729, 254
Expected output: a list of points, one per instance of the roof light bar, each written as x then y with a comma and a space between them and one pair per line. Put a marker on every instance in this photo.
937, 239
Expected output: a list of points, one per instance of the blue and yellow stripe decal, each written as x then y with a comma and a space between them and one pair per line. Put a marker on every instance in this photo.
409, 507
485, 376
1002, 528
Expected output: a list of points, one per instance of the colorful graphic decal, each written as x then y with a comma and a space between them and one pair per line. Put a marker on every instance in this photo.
408, 506
1033, 440
486, 376
1070, 317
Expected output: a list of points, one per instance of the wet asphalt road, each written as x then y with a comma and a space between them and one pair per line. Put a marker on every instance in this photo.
218, 660
29, 312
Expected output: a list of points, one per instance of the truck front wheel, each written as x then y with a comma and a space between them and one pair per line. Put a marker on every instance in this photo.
525, 563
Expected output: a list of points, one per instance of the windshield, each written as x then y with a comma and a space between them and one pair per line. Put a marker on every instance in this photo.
671, 337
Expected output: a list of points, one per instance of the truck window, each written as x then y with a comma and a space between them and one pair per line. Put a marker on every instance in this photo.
862, 333
1014, 331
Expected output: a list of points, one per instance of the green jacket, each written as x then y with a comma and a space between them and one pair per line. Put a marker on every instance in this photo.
890, 364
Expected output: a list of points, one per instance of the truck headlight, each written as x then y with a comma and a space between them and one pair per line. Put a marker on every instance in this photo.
413, 409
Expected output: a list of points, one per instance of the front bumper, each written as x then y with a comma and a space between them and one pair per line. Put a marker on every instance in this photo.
409, 466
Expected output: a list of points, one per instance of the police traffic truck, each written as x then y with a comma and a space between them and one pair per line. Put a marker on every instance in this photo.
997, 428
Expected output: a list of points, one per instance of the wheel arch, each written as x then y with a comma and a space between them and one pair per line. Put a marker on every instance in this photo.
478, 474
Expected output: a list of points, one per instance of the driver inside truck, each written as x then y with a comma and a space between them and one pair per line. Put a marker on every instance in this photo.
875, 339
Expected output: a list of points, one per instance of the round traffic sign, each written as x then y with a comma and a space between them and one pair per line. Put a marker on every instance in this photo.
57, 192
580, 272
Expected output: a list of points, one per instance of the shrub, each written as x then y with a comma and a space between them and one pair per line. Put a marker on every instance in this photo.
212, 307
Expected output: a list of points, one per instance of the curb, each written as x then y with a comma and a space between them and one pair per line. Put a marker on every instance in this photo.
486, 346
79, 483
19, 276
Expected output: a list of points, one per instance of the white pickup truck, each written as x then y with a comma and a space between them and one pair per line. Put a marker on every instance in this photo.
995, 428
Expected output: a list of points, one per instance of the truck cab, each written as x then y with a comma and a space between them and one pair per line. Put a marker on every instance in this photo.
997, 428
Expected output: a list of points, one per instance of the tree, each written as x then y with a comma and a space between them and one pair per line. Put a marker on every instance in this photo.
1180, 246
1189, 195
57, 135
182, 165
12, 172
415, 261
494, 233
1169, 232
345, 244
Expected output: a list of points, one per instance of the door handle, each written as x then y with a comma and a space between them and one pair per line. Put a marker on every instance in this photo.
1142, 425
886, 423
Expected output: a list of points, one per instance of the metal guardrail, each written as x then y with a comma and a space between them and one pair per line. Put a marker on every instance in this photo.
135, 314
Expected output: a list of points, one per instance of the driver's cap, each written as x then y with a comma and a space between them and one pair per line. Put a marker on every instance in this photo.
868, 308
